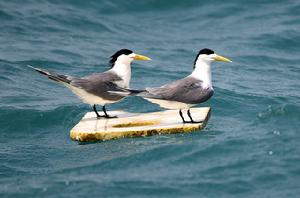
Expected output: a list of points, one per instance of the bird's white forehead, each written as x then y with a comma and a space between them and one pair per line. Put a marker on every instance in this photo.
207, 55
126, 56
132, 55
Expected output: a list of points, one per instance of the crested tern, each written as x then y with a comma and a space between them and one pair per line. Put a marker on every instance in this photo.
94, 89
186, 92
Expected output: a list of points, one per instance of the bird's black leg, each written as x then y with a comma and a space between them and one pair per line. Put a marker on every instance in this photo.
105, 113
180, 113
98, 116
189, 114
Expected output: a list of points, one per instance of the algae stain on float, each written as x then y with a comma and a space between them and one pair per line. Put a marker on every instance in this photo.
136, 124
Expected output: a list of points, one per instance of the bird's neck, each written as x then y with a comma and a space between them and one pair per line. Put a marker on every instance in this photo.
124, 71
202, 72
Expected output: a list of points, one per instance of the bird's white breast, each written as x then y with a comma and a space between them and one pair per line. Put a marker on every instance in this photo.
124, 72
203, 72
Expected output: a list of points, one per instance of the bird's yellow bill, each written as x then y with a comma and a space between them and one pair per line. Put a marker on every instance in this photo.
141, 57
223, 59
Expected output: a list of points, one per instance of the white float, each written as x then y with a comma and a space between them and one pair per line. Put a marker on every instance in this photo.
91, 129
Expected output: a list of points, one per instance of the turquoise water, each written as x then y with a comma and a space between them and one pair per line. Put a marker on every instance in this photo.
250, 147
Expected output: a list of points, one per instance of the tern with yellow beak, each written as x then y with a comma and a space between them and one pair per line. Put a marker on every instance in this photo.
94, 89
187, 92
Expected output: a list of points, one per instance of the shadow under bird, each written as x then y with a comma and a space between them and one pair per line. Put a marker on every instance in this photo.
184, 93
94, 89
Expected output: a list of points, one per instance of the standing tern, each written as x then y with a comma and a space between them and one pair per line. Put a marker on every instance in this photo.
186, 92
94, 89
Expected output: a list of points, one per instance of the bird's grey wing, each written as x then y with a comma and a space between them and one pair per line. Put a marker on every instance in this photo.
108, 76
187, 90
99, 84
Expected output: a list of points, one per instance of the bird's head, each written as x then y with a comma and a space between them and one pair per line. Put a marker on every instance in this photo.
125, 56
208, 56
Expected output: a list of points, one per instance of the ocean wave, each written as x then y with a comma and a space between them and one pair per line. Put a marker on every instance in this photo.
249, 146
21, 120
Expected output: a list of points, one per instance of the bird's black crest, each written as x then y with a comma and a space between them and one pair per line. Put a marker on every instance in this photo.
114, 57
203, 51
206, 51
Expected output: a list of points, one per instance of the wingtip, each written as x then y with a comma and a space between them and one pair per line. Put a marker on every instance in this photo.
44, 72
30, 66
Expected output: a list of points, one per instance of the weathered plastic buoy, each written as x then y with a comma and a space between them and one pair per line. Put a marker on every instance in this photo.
91, 129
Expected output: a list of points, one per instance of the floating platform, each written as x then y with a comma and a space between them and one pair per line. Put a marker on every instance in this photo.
91, 129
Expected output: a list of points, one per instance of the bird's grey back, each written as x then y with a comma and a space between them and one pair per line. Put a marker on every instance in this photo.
187, 90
